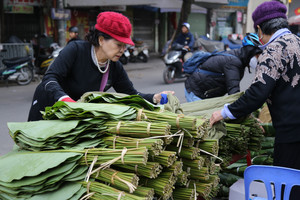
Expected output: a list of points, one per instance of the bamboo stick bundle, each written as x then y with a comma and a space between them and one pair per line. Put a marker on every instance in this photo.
197, 164
238, 138
138, 129
170, 176
100, 191
199, 174
121, 180
150, 170
176, 168
193, 133
203, 189
188, 141
176, 121
209, 145
256, 133
191, 153
166, 158
182, 178
105, 157
185, 194
146, 192
154, 146
161, 186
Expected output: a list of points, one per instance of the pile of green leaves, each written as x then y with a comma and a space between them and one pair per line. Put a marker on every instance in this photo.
57, 134
118, 98
29, 174
105, 111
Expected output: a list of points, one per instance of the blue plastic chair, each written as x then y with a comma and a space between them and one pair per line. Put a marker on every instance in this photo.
275, 175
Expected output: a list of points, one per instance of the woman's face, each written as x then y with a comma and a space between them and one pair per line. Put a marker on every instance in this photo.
112, 48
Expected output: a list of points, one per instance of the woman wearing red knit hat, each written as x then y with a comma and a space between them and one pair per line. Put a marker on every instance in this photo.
91, 65
277, 83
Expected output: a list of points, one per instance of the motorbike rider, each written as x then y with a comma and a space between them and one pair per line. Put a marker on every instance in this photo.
73, 34
92, 65
185, 38
221, 74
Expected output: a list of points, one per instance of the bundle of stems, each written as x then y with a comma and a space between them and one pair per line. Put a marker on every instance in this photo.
188, 141
256, 133
176, 121
120, 180
189, 132
146, 192
191, 153
182, 178
138, 129
203, 189
197, 164
199, 174
100, 191
176, 168
161, 186
106, 157
170, 176
185, 194
237, 139
166, 158
214, 179
150, 170
154, 146
209, 145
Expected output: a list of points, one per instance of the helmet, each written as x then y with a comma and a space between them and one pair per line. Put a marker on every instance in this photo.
186, 25
73, 29
251, 39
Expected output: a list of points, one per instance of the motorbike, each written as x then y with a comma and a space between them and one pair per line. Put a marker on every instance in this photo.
174, 60
139, 52
43, 61
124, 59
19, 69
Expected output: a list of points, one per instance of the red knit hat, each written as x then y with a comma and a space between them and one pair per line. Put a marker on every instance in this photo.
116, 25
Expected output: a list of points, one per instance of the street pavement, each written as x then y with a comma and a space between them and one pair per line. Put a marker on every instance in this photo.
146, 77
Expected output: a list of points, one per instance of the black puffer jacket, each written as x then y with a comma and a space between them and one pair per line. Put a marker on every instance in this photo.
229, 72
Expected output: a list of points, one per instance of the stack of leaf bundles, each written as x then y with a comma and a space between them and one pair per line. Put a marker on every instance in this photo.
29, 174
118, 98
57, 134
70, 110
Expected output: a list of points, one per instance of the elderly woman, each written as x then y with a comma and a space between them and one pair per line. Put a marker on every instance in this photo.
91, 65
276, 82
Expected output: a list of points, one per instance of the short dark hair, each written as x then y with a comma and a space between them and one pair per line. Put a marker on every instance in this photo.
93, 36
271, 26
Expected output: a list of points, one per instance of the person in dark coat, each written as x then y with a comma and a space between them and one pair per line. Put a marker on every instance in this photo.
221, 74
276, 82
73, 34
92, 65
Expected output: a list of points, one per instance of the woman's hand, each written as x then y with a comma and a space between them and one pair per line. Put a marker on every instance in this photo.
157, 97
215, 117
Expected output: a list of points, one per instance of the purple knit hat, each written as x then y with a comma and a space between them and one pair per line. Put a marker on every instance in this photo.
268, 10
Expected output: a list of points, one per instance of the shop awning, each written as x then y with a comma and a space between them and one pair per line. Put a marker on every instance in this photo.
93, 3
294, 20
175, 6
211, 3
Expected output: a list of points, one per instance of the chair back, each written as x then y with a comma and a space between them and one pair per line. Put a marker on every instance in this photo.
275, 175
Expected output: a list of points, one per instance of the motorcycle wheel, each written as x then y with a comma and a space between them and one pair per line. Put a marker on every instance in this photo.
143, 58
25, 76
123, 60
169, 75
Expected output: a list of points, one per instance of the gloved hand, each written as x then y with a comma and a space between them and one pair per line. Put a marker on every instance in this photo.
164, 99
68, 99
